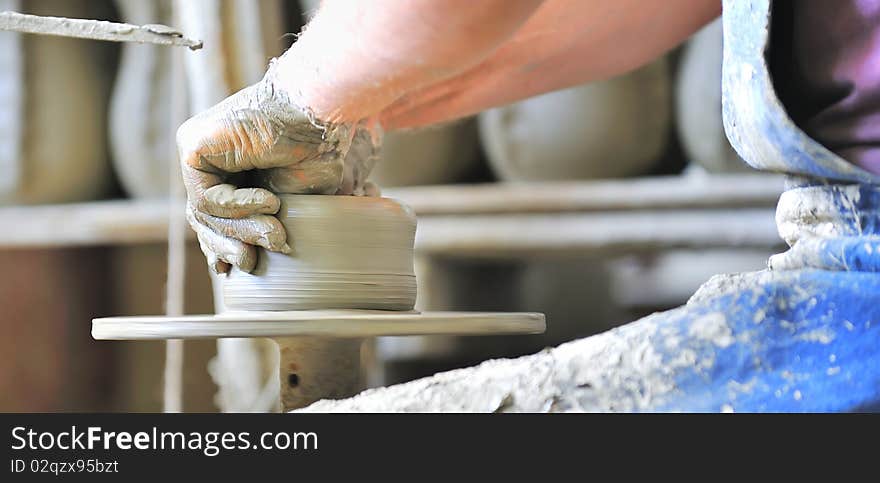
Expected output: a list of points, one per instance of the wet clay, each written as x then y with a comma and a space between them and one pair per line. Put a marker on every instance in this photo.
348, 252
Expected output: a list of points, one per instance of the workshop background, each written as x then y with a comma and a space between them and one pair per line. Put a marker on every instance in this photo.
596, 205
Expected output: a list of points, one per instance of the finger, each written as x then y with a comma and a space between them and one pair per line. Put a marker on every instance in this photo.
215, 264
372, 190
198, 181
347, 185
225, 201
322, 175
207, 193
218, 247
201, 145
227, 250
262, 230
219, 266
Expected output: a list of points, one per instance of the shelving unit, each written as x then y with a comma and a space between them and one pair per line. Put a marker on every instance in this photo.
485, 220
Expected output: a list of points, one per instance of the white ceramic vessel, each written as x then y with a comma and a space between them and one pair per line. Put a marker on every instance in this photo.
52, 112
698, 104
619, 127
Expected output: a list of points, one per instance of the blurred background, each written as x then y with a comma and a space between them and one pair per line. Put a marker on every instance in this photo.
596, 205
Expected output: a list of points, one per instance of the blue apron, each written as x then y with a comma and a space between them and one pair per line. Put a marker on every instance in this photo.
803, 335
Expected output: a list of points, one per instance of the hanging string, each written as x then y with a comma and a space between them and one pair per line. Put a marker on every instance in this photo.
176, 273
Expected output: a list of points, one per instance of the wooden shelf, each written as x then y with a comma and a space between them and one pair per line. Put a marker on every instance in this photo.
506, 236
650, 193
76, 224
492, 220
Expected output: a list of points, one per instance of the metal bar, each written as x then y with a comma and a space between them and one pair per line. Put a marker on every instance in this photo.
95, 29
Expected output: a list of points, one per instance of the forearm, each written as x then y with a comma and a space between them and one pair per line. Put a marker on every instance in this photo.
565, 43
355, 57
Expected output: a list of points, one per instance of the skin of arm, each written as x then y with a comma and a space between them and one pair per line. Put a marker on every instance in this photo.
564, 44
420, 62
356, 57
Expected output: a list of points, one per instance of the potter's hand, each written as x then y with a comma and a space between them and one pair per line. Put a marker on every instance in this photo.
259, 130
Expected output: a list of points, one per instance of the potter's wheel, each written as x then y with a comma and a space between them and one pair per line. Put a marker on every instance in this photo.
348, 277
317, 323
319, 350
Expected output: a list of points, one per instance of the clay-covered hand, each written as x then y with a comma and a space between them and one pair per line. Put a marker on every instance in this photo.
258, 137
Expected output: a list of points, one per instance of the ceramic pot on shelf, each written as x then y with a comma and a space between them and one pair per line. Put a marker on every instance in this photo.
614, 128
698, 104
52, 112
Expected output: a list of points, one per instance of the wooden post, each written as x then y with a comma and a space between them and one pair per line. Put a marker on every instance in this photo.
315, 368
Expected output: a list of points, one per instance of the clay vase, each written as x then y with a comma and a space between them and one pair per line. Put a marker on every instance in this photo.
615, 128
52, 112
698, 104
435, 155
349, 252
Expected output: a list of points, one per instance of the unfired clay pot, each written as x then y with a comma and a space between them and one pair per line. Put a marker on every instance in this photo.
698, 104
614, 128
52, 112
349, 252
